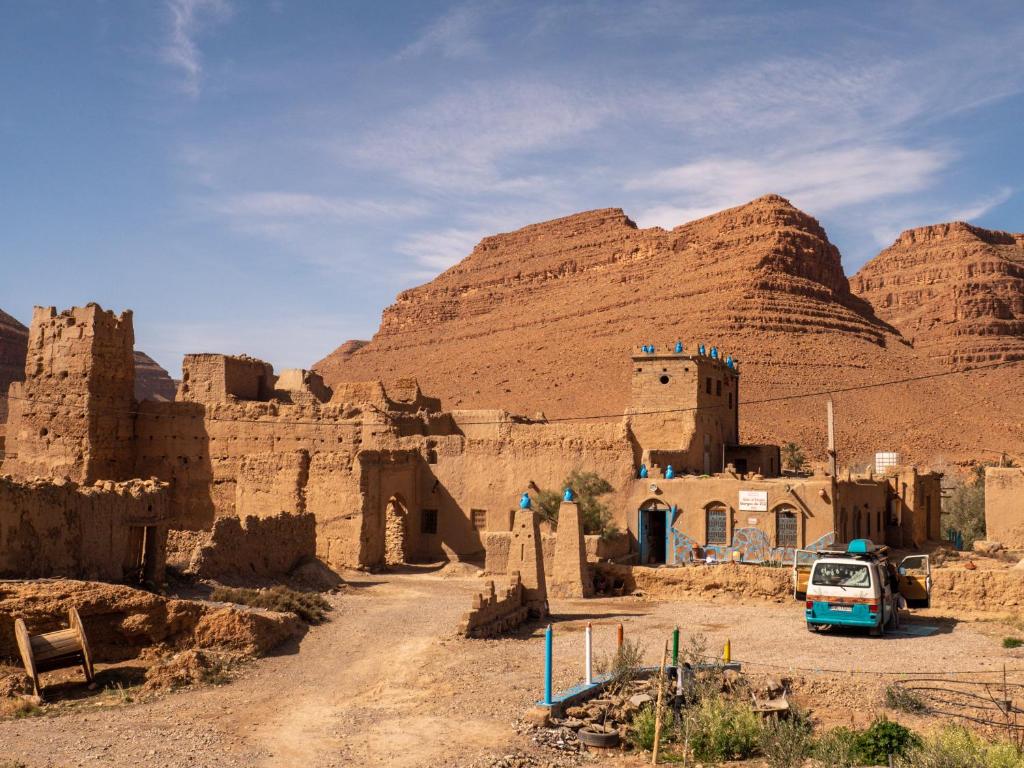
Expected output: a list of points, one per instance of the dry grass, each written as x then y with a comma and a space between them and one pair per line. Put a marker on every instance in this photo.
18, 707
311, 607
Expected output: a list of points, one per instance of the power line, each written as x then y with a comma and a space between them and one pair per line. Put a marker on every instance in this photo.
560, 419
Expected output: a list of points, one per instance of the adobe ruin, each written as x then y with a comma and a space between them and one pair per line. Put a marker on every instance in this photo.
388, 476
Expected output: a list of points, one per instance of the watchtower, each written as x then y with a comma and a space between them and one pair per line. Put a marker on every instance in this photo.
684, 409
73, 416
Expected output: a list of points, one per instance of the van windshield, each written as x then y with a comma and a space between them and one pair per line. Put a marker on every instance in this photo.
841, 575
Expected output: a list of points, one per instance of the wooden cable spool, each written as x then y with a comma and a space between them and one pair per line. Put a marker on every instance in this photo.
54, 650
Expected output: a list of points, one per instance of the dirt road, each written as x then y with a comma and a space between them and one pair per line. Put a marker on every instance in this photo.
386, 682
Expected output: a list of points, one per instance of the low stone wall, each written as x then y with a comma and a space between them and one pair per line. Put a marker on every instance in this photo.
259, 547
992, 590
492, 616
496, 546
609, 548
59, 528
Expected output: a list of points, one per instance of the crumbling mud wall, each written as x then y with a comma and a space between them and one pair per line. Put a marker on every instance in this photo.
72, 416
120, 621
492, 616
108, 531
1004, 506
255, 547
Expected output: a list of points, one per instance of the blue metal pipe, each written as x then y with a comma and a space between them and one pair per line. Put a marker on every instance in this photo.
547, 666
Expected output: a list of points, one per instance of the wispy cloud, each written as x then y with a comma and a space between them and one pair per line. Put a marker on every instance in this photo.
439, 249
978, 208
189, 18
455, 35
466, 139
817, 181
304, 206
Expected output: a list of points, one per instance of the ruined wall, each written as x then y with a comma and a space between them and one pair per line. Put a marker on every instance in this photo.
72, 417
1004, 506
915, 506
301, 387
255, 547
491, 615
86, 532
214, 378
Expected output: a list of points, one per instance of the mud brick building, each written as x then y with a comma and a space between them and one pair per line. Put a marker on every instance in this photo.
387, 475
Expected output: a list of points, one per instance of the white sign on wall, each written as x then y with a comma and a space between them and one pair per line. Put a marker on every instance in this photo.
753, 501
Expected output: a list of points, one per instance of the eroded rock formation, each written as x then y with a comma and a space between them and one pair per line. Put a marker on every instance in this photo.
955, 291
536, 320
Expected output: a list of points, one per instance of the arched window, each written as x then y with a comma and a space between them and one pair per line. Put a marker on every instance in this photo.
717, 526
786, 527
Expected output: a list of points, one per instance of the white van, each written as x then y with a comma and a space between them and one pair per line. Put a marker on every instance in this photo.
860, 588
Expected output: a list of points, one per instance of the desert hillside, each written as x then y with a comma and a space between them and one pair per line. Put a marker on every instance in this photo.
543, 319
954, 290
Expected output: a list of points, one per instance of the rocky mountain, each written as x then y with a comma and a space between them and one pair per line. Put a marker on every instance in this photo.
13, 347
955, 291
544, 318
151, 381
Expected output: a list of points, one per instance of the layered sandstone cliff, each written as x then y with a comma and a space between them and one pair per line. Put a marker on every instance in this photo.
151, 381
954, 290
544, 318
13, 346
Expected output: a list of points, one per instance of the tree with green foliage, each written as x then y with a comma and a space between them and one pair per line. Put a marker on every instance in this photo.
793, 457
964, 508
587, 487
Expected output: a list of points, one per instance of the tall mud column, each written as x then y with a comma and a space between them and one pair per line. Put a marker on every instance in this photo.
570, 574
526, 556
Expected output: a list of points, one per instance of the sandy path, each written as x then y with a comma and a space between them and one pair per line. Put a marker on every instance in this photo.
387, 683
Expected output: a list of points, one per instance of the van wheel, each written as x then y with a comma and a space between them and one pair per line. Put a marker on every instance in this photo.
876, 631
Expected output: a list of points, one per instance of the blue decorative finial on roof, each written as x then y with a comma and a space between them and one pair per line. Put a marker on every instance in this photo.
728, 361
524, 501
714, 353
643, 471
568, 495
679, 347
700, 349
651, 349
669, 472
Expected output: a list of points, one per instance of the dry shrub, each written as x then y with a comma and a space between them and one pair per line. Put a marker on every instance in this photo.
19, 707
188, 668
311, 607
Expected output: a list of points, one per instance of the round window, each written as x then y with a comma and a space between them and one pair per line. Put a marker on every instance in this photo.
663, 379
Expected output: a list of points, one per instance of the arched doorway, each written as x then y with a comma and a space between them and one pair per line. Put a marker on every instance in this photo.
395, 530
652, 531
787, 532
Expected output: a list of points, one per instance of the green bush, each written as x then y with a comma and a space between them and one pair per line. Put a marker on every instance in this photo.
588, 487
311, 607
787, 743
724, 730
954, 746
1012, 642
881, 739
641, 730
837, 748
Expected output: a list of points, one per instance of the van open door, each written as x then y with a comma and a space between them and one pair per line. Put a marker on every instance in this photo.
916, 580
803, 561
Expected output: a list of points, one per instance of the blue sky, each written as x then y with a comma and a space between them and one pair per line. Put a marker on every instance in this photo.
265, 176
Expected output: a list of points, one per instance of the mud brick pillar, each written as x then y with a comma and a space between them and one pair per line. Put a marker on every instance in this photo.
570, 575
526, 556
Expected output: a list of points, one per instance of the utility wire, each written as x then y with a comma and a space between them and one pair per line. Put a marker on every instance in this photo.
561, 419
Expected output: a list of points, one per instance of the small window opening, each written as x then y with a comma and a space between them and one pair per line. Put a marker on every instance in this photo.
479, 519
663, 379
707, 385
718, 387
428, 521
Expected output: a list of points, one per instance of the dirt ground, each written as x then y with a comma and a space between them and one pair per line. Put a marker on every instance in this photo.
386, 682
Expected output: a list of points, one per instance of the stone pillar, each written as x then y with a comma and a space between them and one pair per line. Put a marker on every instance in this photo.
571, 575
526, 556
